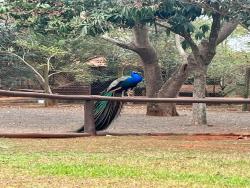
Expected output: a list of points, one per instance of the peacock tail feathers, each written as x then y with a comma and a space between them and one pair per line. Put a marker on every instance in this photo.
106, 111
100, 105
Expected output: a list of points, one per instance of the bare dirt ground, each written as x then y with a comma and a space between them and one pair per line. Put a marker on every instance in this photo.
21, 118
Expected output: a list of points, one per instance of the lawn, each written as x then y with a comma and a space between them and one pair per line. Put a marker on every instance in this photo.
127, 161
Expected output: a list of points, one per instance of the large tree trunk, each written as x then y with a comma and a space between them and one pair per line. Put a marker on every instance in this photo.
199, 109
153, 84
172, 86
152, 70
153, 75
202, 56
171, 89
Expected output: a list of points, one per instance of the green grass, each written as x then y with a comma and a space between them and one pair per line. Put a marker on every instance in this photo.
124, 162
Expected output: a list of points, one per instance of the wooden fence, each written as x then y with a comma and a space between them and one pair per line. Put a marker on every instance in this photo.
89, 125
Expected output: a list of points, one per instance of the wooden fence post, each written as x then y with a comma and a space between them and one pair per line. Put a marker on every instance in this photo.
89, 123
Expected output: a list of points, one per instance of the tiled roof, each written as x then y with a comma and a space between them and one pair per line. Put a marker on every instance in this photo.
97, 62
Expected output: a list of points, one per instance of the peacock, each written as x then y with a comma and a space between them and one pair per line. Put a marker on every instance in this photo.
106, 111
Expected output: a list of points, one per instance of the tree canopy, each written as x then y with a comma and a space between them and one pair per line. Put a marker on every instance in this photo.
62, 33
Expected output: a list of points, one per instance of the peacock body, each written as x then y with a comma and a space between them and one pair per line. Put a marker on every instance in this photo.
106, 111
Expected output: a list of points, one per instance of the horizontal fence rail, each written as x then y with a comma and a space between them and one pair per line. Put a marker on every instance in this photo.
188, 100
89, 124
77, 135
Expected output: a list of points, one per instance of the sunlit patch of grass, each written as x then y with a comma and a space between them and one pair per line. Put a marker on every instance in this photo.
115, 171
124, 162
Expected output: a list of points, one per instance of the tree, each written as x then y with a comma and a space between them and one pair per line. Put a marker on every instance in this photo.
177, 17
204, 51
48, 17
39, 28
136, 18
32, 52
97, 17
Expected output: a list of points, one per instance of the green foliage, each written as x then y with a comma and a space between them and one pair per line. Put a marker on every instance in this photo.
35, 46
179, 15
84, 48
38, 49
129, 16
231, 10
229, 67
120, 61
13, 72
47, 28
4, 8
46, 17
204, 28
95, 24
185, 44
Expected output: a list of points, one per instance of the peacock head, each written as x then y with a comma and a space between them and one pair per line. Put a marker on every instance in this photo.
136, 75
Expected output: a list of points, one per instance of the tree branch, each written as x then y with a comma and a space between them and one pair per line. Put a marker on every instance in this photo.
128, 46
226, 29
168, 26
188, 37
39, 76
54, 73
48, 62
181, 51
214, 33
165, 25
193, 45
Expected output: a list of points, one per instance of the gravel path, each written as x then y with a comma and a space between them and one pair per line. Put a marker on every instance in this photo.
131, 120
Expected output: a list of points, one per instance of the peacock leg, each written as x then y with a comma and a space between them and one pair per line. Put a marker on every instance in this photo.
130, 92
